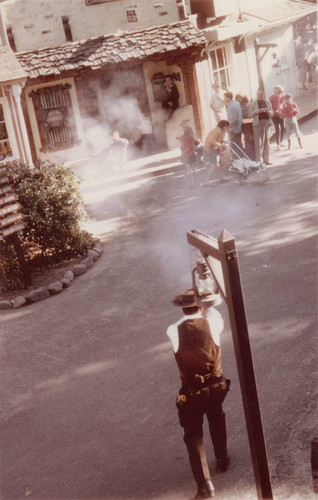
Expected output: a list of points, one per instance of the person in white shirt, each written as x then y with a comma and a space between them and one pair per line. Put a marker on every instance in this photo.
217, 103
196, 344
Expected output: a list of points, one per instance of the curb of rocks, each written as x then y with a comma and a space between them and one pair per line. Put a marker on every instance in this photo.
57, 286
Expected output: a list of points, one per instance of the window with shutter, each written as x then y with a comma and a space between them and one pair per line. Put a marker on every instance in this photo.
53, 110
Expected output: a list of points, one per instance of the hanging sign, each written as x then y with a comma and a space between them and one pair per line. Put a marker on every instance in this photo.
10, 219
55, 118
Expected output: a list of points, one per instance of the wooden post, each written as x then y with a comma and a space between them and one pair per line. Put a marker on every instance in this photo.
23, 265
235, 303
258, 66
259, 59
222, 259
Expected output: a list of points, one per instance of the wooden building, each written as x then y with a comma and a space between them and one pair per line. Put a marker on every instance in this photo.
89, 67
109, 82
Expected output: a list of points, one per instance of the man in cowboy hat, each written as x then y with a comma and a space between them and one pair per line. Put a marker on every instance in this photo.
196, 344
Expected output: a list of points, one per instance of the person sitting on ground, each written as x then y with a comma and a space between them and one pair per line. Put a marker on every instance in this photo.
290, 111
188, 146
212, 146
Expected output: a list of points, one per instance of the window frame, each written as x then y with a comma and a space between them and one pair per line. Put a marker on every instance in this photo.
217, 71
48, 133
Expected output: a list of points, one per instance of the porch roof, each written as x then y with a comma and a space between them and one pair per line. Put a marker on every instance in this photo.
94, 53
11, 70
285, 10
258, 17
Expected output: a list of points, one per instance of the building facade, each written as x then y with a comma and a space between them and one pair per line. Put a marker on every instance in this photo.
14, 142
95, 66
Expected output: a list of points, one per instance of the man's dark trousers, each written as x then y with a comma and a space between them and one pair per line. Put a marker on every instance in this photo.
207, 401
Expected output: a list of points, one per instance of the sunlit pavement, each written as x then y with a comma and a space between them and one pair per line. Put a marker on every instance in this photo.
101, 181
88, 377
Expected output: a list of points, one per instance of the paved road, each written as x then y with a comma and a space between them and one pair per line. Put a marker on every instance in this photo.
88, 377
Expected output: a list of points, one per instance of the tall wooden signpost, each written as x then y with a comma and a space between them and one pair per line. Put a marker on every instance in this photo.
11, 221
222, 259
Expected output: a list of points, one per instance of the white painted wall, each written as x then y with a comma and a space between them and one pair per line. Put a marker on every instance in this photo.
205, 90
285, 74
38, 23
240, 77
157, 116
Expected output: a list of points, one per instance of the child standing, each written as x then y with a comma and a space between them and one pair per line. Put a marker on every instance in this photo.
290, 111
188, 146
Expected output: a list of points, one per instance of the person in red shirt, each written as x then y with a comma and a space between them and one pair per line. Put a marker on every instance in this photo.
290, 111
188, 146
277, 100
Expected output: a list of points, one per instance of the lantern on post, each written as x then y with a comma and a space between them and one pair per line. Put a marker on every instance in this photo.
220, 256
204, 288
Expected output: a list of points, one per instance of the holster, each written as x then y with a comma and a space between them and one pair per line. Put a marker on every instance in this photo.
217, 389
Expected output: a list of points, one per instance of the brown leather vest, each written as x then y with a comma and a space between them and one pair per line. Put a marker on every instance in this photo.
197, 352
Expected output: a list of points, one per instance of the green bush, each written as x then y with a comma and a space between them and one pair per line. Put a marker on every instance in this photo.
53, 208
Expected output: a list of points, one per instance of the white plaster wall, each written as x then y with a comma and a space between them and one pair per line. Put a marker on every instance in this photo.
285, 74
251, 66
205, 90
38, 23
240, 77
157, 116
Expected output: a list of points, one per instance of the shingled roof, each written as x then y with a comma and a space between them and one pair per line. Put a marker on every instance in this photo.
97, 52
10, 68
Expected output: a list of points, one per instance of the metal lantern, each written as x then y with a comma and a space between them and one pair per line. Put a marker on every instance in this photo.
203, 285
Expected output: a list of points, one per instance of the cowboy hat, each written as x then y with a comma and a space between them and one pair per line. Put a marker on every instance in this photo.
186, 299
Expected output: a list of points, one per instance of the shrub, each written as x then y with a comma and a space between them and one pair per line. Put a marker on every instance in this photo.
53, 209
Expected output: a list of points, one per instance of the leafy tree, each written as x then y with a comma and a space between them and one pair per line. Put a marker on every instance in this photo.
53, 208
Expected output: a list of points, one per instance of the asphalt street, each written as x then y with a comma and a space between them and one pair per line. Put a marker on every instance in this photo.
88, 377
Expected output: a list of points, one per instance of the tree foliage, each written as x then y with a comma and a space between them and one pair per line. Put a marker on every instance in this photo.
53, 210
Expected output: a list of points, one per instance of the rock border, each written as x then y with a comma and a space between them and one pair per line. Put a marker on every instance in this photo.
42, 292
